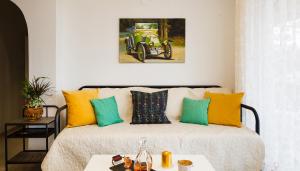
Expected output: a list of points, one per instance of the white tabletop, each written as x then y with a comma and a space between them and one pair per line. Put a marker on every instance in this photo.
103, 162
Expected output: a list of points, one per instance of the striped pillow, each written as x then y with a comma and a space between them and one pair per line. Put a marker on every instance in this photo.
149, 108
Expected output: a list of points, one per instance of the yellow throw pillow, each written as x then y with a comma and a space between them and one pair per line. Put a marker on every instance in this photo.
224, 109
80, 110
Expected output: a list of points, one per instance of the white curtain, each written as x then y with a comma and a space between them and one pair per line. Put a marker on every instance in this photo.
268, 70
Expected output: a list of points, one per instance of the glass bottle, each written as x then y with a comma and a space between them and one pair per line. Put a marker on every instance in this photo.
143, 160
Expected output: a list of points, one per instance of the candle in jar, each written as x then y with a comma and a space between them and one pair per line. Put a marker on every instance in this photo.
166, 159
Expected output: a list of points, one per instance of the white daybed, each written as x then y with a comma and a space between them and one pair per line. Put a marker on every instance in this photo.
227, 148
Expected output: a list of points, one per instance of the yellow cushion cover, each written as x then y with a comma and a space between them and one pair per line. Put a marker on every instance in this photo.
224, 109
80, 110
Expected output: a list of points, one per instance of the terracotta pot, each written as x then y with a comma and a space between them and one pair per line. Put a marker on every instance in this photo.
33, 114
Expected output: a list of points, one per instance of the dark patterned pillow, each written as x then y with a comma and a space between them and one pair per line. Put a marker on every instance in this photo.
149, 108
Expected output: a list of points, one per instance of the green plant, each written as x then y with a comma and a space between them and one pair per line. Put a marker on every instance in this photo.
34, 89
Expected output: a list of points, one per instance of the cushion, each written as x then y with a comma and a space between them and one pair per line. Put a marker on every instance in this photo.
195, 111
80, 110
224, 109
149, 108
124, 99
106, 111
175, 96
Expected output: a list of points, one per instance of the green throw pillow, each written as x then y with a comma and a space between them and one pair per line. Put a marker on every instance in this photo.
106, 111
195, 111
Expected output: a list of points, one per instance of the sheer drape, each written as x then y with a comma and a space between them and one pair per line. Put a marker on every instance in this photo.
268, 70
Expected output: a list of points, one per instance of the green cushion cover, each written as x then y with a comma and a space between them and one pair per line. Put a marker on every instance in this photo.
106, 111
195, 111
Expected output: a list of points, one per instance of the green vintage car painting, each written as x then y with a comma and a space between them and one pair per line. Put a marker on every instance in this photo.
144, 41
152, 40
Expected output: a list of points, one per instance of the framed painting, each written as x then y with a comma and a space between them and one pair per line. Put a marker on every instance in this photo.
152, 40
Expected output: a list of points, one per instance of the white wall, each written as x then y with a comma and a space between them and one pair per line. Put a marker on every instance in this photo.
75, 42
88, 42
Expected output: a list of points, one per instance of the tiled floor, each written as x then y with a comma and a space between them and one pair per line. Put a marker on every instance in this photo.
14, 147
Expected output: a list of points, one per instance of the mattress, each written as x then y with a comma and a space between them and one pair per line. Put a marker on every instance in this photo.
227, 148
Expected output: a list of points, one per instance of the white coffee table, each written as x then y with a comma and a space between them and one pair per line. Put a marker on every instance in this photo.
103, 163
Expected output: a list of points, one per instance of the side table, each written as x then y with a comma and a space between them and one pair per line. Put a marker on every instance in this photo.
24, 129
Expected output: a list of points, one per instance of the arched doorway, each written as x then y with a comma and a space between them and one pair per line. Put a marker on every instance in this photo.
13, 60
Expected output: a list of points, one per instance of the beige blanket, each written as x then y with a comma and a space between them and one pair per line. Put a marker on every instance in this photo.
227, 148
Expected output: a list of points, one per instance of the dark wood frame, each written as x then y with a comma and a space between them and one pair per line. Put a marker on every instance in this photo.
243, 106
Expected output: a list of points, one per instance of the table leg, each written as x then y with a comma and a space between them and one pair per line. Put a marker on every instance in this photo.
47, 137
24, 147
5, 144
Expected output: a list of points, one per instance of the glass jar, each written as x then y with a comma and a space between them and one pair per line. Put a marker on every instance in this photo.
143, 160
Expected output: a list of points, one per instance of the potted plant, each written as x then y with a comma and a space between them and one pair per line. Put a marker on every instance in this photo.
33, 91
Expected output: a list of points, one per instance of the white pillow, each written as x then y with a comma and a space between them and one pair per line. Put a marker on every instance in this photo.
175, 98
124, 99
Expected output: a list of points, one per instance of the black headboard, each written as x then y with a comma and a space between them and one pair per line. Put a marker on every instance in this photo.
150, 86
243, 106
